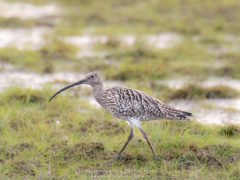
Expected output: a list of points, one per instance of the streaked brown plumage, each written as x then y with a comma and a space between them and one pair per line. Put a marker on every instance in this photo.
129, 104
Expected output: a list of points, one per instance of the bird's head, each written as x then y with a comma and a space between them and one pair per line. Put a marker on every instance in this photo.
91, 79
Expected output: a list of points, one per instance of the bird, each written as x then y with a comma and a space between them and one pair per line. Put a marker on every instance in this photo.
131, 105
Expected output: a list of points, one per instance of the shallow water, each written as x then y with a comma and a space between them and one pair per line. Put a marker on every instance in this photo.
9, 76
23, 38
204, 113
209, 82
27, 38
213, 81
27, 11
86, 42
34, 38
160, 41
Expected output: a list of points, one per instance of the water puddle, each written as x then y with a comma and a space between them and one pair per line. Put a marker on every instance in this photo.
231, 104
204, 113
174, 83
224, 44
27, 11
23, 38
87, 42
33, 38
213, 81
9, 76
209, 82
160, 41
33, 80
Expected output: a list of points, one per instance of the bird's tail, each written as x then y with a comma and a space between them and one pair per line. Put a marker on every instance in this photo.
175, 114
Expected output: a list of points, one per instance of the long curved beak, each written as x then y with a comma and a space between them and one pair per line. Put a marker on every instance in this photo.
67, 87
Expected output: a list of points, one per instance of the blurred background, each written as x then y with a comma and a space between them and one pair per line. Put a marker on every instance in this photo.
177, 49
184, 52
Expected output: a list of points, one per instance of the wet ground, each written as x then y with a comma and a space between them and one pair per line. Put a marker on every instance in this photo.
217, 111
185, 54
211, 111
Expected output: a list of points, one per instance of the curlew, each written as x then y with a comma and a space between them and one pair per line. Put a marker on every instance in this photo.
128, 104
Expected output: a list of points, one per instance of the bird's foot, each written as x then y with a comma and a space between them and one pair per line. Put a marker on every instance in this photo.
114, 159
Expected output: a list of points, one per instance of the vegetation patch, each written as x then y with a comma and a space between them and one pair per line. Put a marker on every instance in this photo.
230, 131
198, 92
106, 127
48, 59
76, 152
24, 96
21, 167
56, 49
16, 23
29, 58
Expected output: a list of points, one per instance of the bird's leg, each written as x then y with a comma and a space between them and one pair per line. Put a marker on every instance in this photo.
145, 136
125, 145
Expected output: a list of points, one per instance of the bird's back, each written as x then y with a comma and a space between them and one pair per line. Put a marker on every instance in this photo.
126, 103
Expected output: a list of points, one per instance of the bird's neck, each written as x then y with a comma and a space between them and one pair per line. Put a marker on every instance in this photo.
98, 89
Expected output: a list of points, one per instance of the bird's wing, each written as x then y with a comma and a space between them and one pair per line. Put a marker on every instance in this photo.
136, 104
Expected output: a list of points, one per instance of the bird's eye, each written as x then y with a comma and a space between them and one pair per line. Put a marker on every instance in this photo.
91, 76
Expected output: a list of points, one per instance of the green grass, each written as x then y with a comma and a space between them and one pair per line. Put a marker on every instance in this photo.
69, 139
196, 92
139, 62
34, 145
208, 21
188, 17
16, 23
53, 56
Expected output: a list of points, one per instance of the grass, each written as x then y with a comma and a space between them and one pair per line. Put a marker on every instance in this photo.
197, 92
68, 139
187, 59
53, 56
151, 17
202, 46
16, 23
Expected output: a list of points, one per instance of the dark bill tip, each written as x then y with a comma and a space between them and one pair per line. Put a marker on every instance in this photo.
67, 87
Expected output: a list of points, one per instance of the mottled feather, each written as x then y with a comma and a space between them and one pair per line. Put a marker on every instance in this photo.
126, 103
